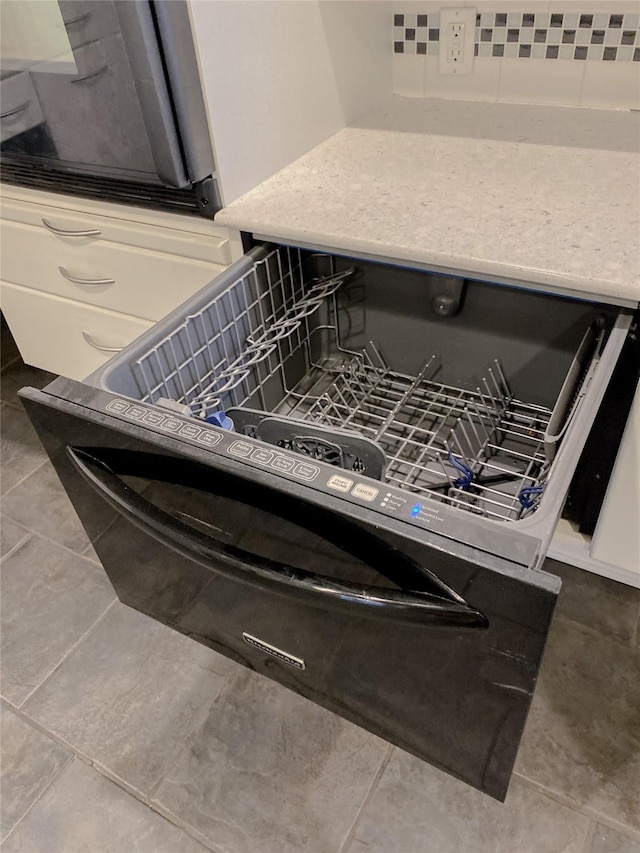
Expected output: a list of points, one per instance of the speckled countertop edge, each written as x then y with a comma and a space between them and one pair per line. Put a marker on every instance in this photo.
547, 196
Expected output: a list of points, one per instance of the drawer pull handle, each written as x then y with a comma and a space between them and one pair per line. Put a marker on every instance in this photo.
89, 282
78, 18
62, 233
100, 347
15, 110
90, 75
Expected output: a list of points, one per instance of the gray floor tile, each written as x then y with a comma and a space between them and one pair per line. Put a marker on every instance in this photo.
130, 695
50, 598
20, 449
270, 771
11, 534
606, 840
82, 812
41, 504
17, 375
8, 350
596, 602
418, 809
30, 761
583, 731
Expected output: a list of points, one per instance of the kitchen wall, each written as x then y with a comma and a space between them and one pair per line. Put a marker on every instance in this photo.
281, 77
576, 53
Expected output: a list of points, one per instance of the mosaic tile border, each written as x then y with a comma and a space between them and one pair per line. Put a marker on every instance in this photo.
593, 36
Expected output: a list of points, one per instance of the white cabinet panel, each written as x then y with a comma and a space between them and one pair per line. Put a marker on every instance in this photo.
188, 237
108, 275
616, 538
51, 333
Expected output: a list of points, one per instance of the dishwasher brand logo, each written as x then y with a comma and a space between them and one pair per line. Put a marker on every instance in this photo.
272, 650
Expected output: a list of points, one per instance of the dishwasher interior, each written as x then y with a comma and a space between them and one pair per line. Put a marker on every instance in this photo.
460, 393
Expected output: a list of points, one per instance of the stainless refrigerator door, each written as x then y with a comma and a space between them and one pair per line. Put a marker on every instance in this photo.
96, 75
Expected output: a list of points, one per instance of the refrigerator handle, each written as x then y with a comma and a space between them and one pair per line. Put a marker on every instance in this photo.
316, 589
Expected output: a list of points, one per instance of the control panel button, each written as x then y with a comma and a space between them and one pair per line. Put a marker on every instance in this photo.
262, 456
306, 472
282, 463
340, 484
118, 406
153, 418
190, 431
241, 448
365, 492
210, 438
136, 412
171, 424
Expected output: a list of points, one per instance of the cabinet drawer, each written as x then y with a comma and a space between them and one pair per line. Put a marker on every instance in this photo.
57, 334
188, 237
85, 20
107, 275
20, 108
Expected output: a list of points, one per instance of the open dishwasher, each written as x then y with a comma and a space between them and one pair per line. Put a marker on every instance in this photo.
345, 476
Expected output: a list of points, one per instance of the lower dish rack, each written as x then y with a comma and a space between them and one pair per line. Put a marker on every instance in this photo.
271, 343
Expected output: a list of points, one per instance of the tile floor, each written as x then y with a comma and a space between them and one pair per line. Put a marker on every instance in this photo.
120, 735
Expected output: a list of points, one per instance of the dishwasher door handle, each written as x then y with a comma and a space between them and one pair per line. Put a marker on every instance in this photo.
241, 566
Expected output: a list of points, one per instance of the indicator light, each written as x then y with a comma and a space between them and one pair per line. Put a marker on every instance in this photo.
415, 509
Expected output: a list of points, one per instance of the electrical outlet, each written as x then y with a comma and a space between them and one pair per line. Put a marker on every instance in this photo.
457, 40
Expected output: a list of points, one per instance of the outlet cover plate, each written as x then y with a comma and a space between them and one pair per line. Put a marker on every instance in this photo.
457, 40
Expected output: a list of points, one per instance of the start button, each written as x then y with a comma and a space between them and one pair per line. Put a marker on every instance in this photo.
340, 484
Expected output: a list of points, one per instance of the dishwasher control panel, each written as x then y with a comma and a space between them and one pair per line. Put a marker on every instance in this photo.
326, 478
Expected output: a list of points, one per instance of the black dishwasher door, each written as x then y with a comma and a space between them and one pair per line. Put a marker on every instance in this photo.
436, 654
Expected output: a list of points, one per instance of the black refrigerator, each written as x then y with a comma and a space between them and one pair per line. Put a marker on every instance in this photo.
102, 99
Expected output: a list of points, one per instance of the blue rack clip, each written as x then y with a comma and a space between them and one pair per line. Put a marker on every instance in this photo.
467, 474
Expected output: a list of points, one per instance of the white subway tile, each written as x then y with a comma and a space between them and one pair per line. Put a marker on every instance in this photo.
612, 85
408, 75
540, 81
482, 85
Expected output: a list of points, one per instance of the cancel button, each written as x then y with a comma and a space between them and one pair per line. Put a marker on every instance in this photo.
364, 492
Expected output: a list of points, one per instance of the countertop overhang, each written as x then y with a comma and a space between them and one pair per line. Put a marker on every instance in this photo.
547, 197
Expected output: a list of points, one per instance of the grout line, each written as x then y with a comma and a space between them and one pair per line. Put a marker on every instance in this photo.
374, 784
14, 405
635, 637
565, 800
30, 808
28, 534
69, 652
593, 632
19, 483
80, 554
4, 367
588, 840
127, 788
191, 831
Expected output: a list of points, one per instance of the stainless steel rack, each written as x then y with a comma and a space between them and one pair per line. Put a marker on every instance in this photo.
273, 340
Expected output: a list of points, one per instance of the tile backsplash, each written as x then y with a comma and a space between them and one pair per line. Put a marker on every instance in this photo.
526, 35
554, 55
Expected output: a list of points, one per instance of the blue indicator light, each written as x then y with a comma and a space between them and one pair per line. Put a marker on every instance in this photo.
416, 509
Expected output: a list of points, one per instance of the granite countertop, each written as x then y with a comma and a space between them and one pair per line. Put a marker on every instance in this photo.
549, 196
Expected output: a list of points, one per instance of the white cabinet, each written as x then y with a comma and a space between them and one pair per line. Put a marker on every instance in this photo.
64, 336
81, 279
616, 538
614, 549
